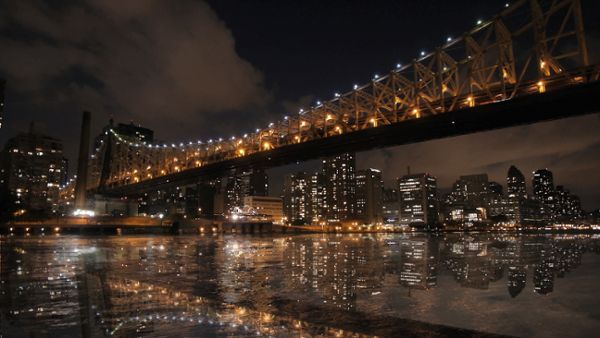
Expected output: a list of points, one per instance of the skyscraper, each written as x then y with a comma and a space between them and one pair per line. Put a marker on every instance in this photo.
543, 190
33, 169
340, 187
297, 202
418, 200
515, 184
369, 195
253, 182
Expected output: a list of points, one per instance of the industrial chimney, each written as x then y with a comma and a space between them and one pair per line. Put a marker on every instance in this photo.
82, 162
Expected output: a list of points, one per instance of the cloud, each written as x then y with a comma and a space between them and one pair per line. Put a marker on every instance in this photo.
151, 61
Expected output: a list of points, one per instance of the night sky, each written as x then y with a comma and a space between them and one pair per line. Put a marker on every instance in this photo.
197, 70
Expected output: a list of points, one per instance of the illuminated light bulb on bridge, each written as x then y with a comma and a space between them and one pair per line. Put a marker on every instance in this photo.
297, 138
336, 94
338, 129
285, 118
355, 87
266, 145
471, 101
506, 5
422, 53
198, 163
376, 76
318, 103
398, 65
448, 39
245, 135
181, 144
210, 141
541, 86
416, 113
220, 139
328, 117
302, 123
241, 152
373, 121
173, 145
479, 22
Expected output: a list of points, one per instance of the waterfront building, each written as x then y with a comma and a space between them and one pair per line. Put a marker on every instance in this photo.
470, 191
253, 182
369, 195
297, 201
543, 190
391, 206
318, 204
265, 205
418, 201
32, 170
568, 206
339, 187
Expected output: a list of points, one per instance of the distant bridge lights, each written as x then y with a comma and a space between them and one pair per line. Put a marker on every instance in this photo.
415, 112
470, 101
267, 145
541, 86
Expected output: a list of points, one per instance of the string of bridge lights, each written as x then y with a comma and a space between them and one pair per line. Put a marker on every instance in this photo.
480, 23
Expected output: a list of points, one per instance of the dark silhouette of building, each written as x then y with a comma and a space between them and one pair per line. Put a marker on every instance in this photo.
33, 168
515, 184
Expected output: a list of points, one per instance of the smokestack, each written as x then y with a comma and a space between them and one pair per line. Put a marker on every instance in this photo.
82, 162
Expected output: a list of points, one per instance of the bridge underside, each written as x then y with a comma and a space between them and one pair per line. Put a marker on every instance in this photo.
563, 103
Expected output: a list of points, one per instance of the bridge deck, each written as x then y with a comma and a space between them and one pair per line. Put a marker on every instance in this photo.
562, 103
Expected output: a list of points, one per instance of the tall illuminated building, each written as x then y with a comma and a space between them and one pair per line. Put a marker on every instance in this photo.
253, 182
340, 187
418, 201
369, 195
33, 168
543, 190
297, 202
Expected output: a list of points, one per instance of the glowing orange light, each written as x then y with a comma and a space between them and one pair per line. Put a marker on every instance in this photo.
267, 145
541, 86
471, 101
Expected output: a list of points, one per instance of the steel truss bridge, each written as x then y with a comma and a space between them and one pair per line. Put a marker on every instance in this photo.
527, 64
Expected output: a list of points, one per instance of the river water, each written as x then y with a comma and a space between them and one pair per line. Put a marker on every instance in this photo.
300, 286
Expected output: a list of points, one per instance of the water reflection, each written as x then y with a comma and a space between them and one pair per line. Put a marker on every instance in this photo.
318, 285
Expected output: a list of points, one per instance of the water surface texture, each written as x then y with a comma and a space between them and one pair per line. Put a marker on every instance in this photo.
471, 285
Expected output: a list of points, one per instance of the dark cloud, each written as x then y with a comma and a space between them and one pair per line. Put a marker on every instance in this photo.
152, 61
